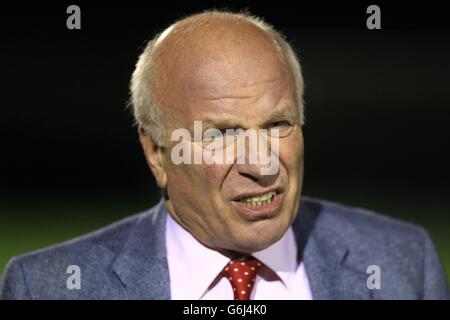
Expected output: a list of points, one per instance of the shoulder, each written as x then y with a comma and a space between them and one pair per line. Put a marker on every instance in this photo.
403, 251
363, 224
47, 269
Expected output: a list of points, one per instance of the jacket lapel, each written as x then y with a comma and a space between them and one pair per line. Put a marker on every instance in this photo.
324, 246
142, 264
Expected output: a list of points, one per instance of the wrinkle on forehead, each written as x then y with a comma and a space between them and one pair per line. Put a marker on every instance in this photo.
238, 84
210, 92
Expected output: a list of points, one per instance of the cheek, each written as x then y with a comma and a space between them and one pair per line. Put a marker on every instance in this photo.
214, 176
216, 171
205, 178
291, 153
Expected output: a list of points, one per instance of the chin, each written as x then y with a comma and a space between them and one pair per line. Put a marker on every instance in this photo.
260, 238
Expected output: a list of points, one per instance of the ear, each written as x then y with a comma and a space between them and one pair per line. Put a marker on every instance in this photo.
154, 155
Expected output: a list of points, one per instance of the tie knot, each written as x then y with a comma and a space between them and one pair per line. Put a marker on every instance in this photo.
242, 274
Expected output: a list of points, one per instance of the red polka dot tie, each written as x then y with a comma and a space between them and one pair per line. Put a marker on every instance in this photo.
242, 275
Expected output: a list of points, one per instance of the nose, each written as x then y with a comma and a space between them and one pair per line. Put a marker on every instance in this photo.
254, 173
258, 161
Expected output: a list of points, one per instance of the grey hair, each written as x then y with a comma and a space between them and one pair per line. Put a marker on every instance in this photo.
148, 113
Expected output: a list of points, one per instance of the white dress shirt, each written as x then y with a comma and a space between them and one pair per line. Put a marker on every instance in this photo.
195, 270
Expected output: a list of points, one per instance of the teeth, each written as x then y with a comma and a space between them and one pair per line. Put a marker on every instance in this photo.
259, 201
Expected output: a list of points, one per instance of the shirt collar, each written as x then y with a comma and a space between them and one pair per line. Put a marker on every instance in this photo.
281, 257
195, 265
201, 265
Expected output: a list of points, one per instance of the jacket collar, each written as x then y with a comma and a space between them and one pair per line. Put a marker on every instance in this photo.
142, 264
324, 243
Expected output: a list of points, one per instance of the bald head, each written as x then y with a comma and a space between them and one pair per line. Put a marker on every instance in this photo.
210, 54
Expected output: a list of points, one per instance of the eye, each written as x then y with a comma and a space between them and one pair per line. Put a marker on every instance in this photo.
280, 123
279, 129
212, 134
228, 131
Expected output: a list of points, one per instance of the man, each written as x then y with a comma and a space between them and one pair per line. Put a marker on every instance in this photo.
230, 230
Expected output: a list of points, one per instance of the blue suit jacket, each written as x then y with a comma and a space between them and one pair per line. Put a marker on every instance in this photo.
127, 260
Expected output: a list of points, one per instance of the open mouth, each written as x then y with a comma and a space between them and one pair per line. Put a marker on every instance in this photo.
259, 200
255, 207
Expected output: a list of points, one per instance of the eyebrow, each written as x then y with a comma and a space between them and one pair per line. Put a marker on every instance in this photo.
229, 122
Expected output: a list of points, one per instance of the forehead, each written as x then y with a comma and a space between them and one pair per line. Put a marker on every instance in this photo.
246, 87
224, 61
251, 106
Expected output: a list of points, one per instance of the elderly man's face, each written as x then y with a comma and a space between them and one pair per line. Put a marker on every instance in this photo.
233, 86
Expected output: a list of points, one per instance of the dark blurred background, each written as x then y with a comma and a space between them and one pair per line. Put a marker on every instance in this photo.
377, 107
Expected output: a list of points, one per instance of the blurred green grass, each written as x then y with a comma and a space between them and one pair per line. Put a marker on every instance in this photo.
36, 223
40, 221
